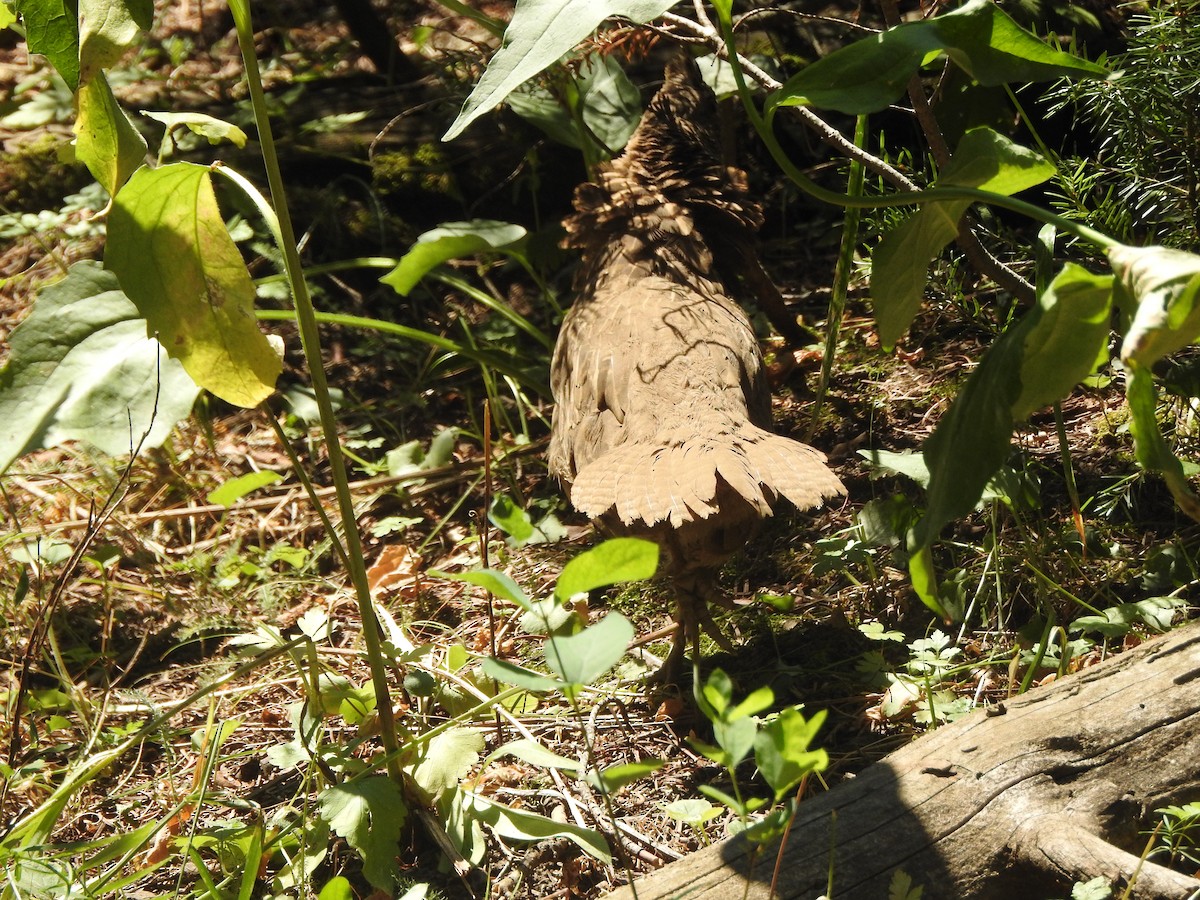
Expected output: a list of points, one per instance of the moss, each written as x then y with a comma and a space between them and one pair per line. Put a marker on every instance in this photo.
33, 178
423, 168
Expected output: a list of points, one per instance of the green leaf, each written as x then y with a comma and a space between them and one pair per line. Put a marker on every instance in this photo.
105, 140
169, 247
1068, 340
80, 367
781, 750
736, 739
970, 442
1157, 613
107, 29
453, 240
984, 160
511, 519
868, 75
491, 581
368, 813
515, 824
613, 778
540, 33
1163, 286
534, 753
235, 489
582, 658
1149, 445
923, 575
615, 561
1096, 888
52, 29
502, 670
213, 129
7, 16
716, 695
446, 760
336, 888
758, 700
908, 463
608, 103
694, 812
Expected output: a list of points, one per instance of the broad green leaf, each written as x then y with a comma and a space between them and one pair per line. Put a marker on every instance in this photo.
607, 101
453, 240
540, 33
694, 812
971, 441
534, 753
613, 778
1149, 445
368, 813
168, 245
1156, 613
213, 129
615, 561
716, 695
491, 581
80, 367
759, 699
870, 74
908, 463
105, 140
519, 825
1097, 888
336, 888
235, 489
52, 29
446, 760
781, 750
502, 670
510, 519
735, 738
1164, 286
984, 160
1068, 340
107, 29
582, 658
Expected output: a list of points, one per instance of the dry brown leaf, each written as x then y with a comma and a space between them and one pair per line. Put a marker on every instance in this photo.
397, 569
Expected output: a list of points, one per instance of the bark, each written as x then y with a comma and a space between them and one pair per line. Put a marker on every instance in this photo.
1020, 801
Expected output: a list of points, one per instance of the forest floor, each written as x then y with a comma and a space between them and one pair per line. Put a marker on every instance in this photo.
141, 589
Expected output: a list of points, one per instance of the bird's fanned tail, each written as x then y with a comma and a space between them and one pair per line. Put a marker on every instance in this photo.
648, 483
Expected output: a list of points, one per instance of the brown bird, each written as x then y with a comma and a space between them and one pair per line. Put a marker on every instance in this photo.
662, 411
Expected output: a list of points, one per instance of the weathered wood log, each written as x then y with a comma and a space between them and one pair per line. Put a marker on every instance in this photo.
1018, 801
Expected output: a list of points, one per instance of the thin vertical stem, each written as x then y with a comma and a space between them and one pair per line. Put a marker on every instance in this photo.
311, 341
841, 276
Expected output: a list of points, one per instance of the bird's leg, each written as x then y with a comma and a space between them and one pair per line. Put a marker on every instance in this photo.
693, 593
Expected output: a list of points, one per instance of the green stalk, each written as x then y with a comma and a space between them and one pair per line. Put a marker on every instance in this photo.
482, 357
841, 275
311, 341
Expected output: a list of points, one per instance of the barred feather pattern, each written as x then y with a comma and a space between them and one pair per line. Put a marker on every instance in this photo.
662, 408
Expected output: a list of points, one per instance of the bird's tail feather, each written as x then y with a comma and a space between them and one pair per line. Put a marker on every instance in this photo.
650, 483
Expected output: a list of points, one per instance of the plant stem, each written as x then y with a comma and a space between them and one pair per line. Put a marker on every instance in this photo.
311, 341
841, 276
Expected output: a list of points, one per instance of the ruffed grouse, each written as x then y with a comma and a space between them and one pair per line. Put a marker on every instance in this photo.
662, 402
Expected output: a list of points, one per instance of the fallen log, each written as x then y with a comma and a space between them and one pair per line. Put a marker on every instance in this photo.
1019, 801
